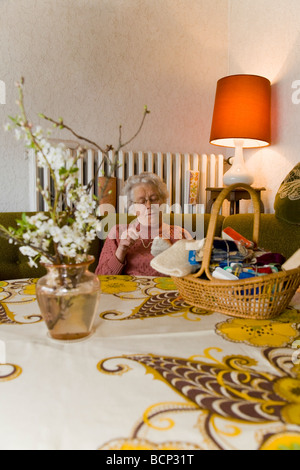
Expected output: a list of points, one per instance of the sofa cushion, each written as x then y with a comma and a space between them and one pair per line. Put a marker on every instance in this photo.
287, 200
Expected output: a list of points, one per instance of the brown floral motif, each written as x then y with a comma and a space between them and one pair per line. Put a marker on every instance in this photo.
5, 314
232, 388
164, 303
9, 291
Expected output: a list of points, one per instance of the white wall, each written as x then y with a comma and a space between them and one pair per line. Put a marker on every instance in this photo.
264, 39
98, 62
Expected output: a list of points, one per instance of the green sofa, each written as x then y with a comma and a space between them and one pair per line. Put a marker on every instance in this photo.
14, 265
275, 235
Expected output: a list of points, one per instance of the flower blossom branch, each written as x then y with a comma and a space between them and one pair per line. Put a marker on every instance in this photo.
64, 234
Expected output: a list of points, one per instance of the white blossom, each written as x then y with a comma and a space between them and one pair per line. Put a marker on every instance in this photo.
28, 251
32, 263
18, 134
65, 233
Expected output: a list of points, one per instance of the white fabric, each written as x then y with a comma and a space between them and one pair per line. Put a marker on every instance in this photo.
159, 245
175, 260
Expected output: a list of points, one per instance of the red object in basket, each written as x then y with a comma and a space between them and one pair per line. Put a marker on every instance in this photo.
229, 233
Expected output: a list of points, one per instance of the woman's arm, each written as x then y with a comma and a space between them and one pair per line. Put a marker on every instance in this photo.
109, 264
113, 255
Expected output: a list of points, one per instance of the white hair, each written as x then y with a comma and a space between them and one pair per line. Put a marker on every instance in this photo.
145, 178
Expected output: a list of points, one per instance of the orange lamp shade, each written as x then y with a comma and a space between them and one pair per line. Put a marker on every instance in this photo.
242, 111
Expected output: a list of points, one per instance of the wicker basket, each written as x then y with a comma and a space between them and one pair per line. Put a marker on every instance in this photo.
257, 298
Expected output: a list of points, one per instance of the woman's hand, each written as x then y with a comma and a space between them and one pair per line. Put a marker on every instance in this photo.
128, 238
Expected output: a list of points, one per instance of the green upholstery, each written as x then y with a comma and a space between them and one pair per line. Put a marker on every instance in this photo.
14, 265
275, 235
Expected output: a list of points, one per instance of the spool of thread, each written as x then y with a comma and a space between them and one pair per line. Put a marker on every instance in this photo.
236, 269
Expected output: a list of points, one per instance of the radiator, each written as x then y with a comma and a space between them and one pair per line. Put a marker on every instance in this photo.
174, 168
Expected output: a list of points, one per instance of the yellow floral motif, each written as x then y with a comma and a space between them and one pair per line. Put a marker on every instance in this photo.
29, 289
117, 284
291, 414
143, 444
2, 285
165, 283
282, 441
289, 389
165, 423
258, 332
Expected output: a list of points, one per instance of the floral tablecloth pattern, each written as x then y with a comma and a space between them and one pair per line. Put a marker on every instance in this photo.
157, 374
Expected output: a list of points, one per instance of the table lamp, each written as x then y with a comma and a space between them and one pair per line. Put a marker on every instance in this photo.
241, 119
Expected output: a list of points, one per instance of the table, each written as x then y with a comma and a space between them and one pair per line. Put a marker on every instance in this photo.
156, 374
234, 197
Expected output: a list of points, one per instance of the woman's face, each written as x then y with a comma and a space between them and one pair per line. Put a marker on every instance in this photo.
146, 201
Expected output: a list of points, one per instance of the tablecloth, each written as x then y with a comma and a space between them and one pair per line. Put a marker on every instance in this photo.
156, 374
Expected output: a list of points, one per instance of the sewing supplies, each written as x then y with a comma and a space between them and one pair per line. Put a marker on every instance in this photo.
229, 233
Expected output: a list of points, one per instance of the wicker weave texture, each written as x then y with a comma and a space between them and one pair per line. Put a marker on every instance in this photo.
265, 297
261, 297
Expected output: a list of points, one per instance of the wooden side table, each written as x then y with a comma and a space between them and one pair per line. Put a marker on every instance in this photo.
234, 197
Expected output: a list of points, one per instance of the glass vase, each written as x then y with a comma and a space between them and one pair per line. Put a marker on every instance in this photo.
68, 297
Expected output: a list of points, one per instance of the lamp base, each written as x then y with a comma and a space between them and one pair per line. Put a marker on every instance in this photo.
232, 178
238, 173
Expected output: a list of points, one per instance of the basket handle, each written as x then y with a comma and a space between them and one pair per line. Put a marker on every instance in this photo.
213, 223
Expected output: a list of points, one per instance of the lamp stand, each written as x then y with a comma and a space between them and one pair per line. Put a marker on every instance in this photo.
238, 173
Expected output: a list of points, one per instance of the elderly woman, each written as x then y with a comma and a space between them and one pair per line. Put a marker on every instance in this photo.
127, 249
